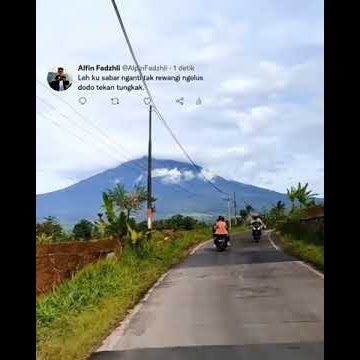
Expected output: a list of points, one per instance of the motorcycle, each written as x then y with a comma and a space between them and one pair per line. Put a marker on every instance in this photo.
256, 232
221, 242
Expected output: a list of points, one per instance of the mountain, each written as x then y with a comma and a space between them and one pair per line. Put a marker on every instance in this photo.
177, 187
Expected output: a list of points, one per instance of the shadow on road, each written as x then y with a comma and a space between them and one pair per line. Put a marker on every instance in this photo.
293, 351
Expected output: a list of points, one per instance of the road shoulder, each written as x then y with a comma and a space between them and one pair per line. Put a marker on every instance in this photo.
275, 240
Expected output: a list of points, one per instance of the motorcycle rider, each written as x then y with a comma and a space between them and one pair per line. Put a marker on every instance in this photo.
214, 225
221, 228
257, 220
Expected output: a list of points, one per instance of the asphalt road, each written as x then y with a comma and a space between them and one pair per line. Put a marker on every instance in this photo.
250, 302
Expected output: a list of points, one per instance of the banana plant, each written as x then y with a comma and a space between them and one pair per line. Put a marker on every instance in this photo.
292, 195
108, 206
44, 239
280, 206
136, 237
304, 196
116, 220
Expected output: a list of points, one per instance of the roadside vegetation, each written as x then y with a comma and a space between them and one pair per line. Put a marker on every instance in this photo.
293, 233
115, 221
306, 245
72, 320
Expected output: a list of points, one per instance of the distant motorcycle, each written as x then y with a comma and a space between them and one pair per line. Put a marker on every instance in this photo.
256, 232
221, 242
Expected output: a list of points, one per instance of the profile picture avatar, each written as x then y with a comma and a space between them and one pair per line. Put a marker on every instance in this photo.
59, 79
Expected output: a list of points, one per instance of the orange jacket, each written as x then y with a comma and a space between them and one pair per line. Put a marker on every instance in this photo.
221, 228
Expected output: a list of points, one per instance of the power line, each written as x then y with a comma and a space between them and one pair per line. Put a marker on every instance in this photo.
59, 126
140, 166
113, 143
93, 135
153, 103
72, 133
186, 153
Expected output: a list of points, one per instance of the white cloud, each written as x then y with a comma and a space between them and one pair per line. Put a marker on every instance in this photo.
212, 53
244, 85
273, 80
175, 176
168, 176
262, 92
254, 119
208, 174
266, 78
188, 175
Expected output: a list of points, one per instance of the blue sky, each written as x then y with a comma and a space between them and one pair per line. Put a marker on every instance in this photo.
262, 117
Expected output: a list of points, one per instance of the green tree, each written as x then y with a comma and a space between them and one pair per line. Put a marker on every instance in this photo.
136, 199
99, 227
304, 196
115, 223
118, 205
83, 230
249, 209
176, 221
280, 206
50, 227
189, 223
128, 201
292, 195
243, 213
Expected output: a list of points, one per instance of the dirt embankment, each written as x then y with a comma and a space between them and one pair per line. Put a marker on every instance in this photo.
57, 262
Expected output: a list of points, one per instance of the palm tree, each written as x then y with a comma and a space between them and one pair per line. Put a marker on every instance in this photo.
279, 210
135, 199
243, 213
280, 206
118, 195
292, 195
128, 201
249, 209
304, 196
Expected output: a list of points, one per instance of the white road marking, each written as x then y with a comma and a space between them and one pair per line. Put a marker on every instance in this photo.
198, 247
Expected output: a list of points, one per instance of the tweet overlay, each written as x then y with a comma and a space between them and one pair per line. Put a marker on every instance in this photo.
127, 78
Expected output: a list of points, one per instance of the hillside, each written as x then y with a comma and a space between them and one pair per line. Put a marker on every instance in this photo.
176, 185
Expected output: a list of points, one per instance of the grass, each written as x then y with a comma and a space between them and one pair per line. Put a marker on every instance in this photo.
305, 246
73, 319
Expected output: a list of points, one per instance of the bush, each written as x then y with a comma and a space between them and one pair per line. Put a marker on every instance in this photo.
298, 230
50, 229
177, 222
189, 223
83, 230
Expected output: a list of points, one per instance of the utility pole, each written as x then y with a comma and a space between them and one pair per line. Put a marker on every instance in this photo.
149, 196
235, 208
229, 212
